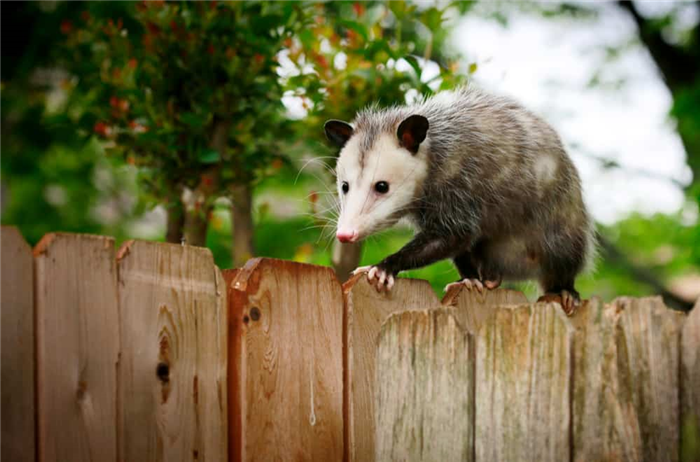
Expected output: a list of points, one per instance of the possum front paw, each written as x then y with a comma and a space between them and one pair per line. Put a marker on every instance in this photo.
385, 279
475, 284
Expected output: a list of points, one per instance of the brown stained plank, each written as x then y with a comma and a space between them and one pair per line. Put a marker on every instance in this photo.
287, 377
424, 389
647, 338
690, 386
77, 329
235, 324
523, 382
17, 363
366, 311
472, 307
174, 350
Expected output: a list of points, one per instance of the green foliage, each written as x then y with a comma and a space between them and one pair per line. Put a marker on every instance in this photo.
163, 78
348, 58
152, 84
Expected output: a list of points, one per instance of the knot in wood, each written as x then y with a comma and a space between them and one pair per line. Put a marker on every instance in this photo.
163, 372
255, 313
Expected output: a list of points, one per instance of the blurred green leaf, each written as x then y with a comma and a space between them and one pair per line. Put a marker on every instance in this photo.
209, 156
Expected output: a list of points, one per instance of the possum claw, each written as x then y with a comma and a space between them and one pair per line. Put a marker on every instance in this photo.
372, 272
473, 284
381, 279
361, 269
385, 280
568, 301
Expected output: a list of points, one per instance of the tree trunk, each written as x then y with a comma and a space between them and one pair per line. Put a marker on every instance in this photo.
175, 221
197, 219
242, 224
346, 257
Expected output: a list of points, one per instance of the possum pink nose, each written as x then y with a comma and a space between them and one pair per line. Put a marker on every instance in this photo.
346, 235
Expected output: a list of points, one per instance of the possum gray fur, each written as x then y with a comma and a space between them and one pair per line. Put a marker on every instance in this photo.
484, 181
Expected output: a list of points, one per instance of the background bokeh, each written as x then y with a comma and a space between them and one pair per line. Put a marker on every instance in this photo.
202, 122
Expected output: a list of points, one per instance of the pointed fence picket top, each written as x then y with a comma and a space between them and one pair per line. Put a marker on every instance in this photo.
172, 371
367, 310
77, 342
17, 363
286, 367
472, 307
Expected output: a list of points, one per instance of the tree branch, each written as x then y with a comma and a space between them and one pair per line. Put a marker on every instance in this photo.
676, 65
644, 275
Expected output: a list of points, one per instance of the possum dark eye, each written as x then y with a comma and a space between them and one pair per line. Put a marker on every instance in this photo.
382, 187
345, 187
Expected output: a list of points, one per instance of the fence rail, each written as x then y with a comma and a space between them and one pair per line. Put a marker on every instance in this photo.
150, 353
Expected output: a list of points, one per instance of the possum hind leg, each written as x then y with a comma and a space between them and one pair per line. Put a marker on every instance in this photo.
472, 277
558, 276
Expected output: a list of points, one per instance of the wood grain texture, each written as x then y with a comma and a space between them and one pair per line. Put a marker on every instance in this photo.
601, 411
235, 324
17, 362
472, 308
523, 383
287, 382
647, 339
172, 370
77, 329
690, 386
424, 389
366, 312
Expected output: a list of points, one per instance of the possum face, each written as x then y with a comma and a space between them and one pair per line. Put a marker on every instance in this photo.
379, 178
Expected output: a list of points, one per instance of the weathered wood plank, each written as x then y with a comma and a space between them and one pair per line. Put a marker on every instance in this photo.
523, 383
287, 381
18, 410
366, 311
690, 386
424, 389
77, 329
647, 339
472, 307
174, 350
601, 412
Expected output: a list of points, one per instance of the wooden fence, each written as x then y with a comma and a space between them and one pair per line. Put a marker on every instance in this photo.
150, 353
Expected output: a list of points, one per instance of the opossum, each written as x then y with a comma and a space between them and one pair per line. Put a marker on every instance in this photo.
484, 181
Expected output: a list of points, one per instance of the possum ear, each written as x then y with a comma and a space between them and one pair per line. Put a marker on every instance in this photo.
338, 132
412, 132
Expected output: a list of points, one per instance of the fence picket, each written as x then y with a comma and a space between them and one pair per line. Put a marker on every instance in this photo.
18, 410
424, 389
287, 378
77, 332
600, 421
690, 386
172, 396
523, 384
366, 311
